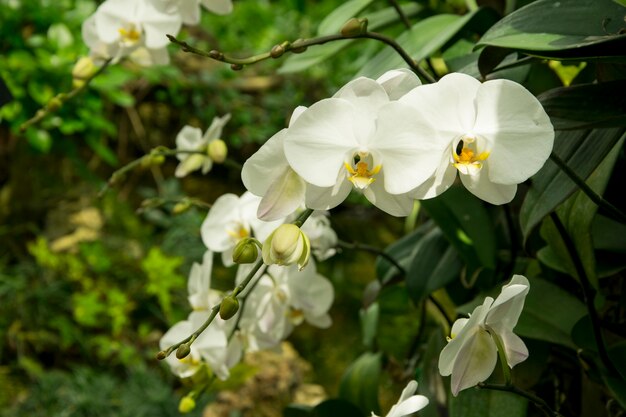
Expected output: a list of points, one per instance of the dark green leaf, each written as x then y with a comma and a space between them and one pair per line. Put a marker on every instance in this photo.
429, 380
582, 151
549, 314
424, 38
466, 223
359, 384
586, 106
581, 28
298, 410
369, 323
336, 407
487, 403
435, 264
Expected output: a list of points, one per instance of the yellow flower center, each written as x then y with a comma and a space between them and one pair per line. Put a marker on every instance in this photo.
130, 35
361, 176
468, 161
238, 233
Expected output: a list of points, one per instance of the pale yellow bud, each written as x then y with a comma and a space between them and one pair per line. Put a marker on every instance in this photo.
186, 405
287, 245
217, 151
83, 69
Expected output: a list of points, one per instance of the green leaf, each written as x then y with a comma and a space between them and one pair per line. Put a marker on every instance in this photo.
487, 403
359, 384
318, 54
336, 407
586, 106
369, 323
102, 150
549, 314
582, 28
334, 22
402, 252
429, 380
435, 264
608, 234
582, 151
577, 214
466, 223
298, 410
424, 38
162, 277
39, 139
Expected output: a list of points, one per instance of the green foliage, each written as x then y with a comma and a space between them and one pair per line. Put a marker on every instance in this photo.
359, 384
486, 403
162, 277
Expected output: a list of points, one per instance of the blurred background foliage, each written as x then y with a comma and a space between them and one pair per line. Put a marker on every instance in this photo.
89, 284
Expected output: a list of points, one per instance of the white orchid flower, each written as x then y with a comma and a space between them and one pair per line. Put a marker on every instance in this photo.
268, 174
321, 235
495, 134
361, 139
231, 219
189, 10
191, 139
408, 403
471, 354
201, 296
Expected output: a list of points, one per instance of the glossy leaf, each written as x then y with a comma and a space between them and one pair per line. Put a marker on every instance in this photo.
335, 21
487, 403
434, 265
584, 28
549, 314
582, 151
402, 251
369, 323
318, 54
466, 223
424, 38
586, 106
359, 384
577, 214
429, 380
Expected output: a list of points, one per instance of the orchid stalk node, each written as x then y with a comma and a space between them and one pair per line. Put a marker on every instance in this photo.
277, 51
354, 27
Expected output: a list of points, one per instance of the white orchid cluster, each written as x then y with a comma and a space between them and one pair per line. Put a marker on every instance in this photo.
136, 29
282, 298
395, 141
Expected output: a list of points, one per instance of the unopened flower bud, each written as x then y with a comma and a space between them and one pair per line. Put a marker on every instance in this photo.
277, 51
187, 404
161, 355
181, 207
354, 27
83, 69
236, 67
245, 252
183, 351
298, 49
217, 150
229, 307
54, 104
287, 245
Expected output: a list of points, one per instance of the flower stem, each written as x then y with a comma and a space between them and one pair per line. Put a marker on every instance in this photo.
62, 98
541, 404
403, 16
595, 197
589, 294
300, 45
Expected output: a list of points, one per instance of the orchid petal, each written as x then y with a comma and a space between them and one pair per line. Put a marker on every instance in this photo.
475, 361
220, 7
364, 93
444, 177
398, 82
325, 198
283, 197
408, 406
516, 350
215, 129
399, 205
266, 165
481, 186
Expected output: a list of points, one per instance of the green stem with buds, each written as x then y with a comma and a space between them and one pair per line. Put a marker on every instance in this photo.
62, 98
299, 46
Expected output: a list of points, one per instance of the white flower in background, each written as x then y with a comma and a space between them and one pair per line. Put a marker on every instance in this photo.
496, 134
191, 139
361, 139
285, 297
189, 10
201, 296
408, 402
321, 235
268, 174
231, 219
131, 28
208, 346
471, 354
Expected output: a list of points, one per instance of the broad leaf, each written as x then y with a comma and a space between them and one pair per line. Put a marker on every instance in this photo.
318, 54
586, 106
336, 407
359, 384
549, 314
572, 28
580, 150
424, 38
435, 264
487, 403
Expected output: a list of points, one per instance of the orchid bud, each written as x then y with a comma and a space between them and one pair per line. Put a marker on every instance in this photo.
245, 252
287, 245
54, 104
277, 51
354, 27
183, 351
181, 207
186, 405
83, 69
229, 307
217, 150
